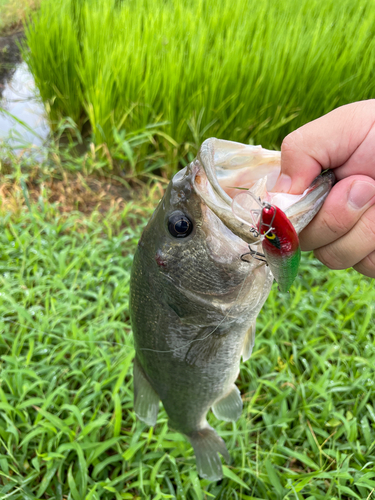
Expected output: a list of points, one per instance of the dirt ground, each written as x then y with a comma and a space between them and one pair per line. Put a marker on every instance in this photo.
74, 192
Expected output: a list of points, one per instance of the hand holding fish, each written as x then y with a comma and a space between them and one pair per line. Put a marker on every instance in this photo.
342, 234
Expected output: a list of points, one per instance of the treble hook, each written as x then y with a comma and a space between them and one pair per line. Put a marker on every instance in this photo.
255, 255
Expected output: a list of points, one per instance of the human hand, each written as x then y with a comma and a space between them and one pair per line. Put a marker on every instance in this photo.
342, 234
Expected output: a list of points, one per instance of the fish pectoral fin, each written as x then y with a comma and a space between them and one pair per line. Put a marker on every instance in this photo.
207, 444
229, 408
146, 401
204, 347
248, 344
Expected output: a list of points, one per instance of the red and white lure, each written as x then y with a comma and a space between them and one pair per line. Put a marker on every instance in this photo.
280, 243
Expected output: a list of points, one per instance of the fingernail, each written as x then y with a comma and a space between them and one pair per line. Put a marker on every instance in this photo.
283, 184
360, 194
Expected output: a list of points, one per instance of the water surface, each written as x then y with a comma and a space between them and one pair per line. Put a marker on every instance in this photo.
20, 98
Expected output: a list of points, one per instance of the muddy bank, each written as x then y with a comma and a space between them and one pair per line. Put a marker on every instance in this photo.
9, 55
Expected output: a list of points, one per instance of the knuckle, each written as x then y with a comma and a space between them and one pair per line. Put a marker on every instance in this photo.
370, 260
368, 103
366, 266
367, 225
328, 256
356, 108
335, 224
305, 240
289, 143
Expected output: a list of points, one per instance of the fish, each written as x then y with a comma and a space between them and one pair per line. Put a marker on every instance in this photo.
197, 288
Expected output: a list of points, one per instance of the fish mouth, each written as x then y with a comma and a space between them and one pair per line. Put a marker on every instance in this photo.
223, 168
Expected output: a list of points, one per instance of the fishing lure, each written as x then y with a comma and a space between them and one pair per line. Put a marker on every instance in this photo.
280, 243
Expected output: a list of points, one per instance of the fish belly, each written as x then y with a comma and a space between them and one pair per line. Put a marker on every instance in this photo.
188, 365
189, 387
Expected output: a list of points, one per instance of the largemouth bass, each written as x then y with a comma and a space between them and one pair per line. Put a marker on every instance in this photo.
194, 301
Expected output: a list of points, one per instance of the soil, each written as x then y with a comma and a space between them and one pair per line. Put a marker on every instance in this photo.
9, 55
74, 192
83, 194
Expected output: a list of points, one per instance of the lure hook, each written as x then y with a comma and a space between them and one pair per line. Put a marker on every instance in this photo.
281, 250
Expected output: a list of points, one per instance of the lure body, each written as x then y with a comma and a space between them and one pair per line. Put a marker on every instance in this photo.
280, 245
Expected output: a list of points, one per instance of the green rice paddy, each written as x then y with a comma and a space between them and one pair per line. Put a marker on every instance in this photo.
252, 70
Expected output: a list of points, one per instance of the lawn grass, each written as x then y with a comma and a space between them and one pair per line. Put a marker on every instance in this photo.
252, 71
67, 425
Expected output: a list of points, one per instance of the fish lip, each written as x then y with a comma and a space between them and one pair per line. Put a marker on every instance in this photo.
327, 175
315, 194
206, 157
206, 161
222, 208
206, 183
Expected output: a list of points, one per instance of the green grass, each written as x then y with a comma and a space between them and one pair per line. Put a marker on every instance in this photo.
67, 425
249, 71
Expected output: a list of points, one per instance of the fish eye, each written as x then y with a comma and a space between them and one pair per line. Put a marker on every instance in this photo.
179, 225
270, 236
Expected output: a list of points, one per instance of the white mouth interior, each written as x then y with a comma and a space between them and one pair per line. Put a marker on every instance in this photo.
230, 168
240, 172
245, 178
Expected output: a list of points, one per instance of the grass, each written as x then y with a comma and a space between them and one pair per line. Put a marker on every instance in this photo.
67, 152
67, 425
250, 73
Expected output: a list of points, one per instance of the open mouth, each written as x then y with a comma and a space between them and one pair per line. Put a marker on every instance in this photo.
230, 166
225, 169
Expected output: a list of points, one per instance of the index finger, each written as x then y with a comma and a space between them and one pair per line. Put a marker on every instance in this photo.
330, 141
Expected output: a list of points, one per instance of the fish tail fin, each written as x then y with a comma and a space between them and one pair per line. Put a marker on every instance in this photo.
207, 444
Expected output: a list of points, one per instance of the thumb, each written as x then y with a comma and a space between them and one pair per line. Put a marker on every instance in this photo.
327, 142
298, 165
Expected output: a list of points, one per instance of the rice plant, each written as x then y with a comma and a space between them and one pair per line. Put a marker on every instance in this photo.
250, 71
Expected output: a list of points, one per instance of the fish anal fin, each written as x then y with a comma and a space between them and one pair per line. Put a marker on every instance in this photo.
248, 344
146, 401
207, 444
229, 408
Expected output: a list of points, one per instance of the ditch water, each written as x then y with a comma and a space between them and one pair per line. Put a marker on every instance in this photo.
22, 118
19, 99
